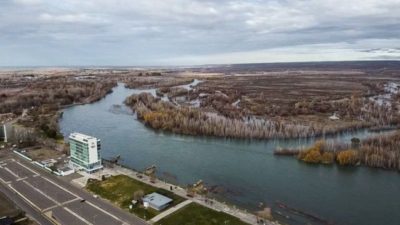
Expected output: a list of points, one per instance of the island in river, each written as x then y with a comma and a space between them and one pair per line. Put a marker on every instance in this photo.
243, 172
266, 106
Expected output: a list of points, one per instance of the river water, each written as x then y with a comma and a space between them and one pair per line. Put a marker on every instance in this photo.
247, 172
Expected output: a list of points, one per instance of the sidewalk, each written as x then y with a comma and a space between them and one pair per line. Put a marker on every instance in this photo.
215, 205
170, 211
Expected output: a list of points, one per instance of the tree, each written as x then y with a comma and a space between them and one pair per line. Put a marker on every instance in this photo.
355, 143
313, 156
328, 158
347, 157
138, 195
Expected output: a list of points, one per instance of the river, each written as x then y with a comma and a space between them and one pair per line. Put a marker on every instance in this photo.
247, 171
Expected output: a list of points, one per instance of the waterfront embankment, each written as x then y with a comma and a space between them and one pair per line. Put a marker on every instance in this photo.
213, 204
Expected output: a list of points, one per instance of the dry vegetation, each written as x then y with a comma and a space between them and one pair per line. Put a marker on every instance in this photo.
239, 101
381, 152
53, 93
186, 120
137, 81
378, 152
42, 153
37, 97
252, 103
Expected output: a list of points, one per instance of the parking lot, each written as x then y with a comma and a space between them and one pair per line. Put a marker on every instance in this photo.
52, 199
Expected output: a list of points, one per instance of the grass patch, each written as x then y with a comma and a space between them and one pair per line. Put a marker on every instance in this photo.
195, 214
43, 154
120, 189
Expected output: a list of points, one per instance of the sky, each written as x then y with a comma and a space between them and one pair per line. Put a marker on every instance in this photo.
195, 32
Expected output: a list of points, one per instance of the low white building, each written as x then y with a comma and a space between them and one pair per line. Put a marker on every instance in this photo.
156, 201
66, 171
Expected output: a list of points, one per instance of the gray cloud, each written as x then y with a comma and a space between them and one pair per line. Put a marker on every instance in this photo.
151, 32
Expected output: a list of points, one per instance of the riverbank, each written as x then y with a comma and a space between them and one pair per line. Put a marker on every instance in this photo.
177, 190
261, 177
236, 107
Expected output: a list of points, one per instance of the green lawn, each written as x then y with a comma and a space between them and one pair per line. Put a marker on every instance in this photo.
195, 214
119, 190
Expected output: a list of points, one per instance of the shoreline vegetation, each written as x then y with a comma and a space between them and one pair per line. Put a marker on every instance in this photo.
231, 106
37, 103
227, 107
377, 152
243, 105
166, 116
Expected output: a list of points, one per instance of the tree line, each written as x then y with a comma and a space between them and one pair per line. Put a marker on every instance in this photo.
59, 93
193, 121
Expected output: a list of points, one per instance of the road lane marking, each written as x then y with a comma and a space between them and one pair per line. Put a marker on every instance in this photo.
23, 197
77, 216
104, 211
45, 195
50, 208
22, 178
73, 200
12, 173
34, 172
62, 204
6, 182
59, 186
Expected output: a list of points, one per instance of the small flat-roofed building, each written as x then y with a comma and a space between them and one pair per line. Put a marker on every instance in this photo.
85, 152
65, 171
157, 201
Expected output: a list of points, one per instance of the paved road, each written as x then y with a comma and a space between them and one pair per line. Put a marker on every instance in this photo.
28, 209
38, 200
66, 217
58, 199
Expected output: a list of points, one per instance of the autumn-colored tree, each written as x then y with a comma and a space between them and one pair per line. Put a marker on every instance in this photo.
347, 157
328, 158
312, 156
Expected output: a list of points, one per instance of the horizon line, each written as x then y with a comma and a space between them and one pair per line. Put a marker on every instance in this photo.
191, 66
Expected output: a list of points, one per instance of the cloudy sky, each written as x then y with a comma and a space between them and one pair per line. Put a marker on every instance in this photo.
189, 32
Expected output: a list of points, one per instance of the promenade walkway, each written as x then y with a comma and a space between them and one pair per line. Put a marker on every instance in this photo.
170, 211
210, 203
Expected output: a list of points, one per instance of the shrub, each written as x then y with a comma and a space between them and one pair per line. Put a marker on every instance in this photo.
312, 156
328, 158
347, 157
